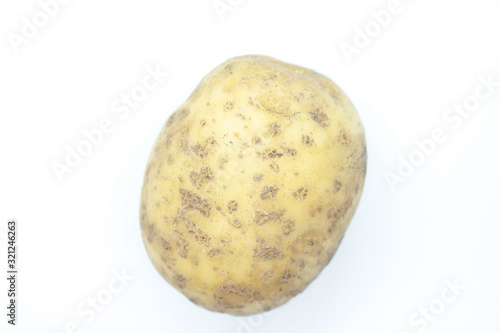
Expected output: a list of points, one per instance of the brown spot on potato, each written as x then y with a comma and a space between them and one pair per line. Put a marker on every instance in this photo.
309, 245
165, 245
271, 153
274, 129
195, 260
202, 151
222, 162
201, 237
234, 297
258, 177
300, 194
199, 150
182, 244
181, 139
199, 179
307, 140
177, 116
337, 186
184, 113
228, 106
256, 140
338, 212
214, 252
343, 139
151, 233
168, 140
315, 211
181, 218
320, 117
288, 227
179, 280
290, 151
168, 259
235, 289
192, 229
190, 201
267, 252
261, 217
232, 206
149, 169
275, 167
267, 275
235, 223
285, 277
269, 192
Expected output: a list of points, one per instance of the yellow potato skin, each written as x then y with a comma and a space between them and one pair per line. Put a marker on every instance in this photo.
251, 185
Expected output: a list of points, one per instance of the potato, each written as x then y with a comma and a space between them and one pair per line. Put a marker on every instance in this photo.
251, 185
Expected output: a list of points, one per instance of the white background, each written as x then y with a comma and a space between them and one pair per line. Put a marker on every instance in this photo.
441, 223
